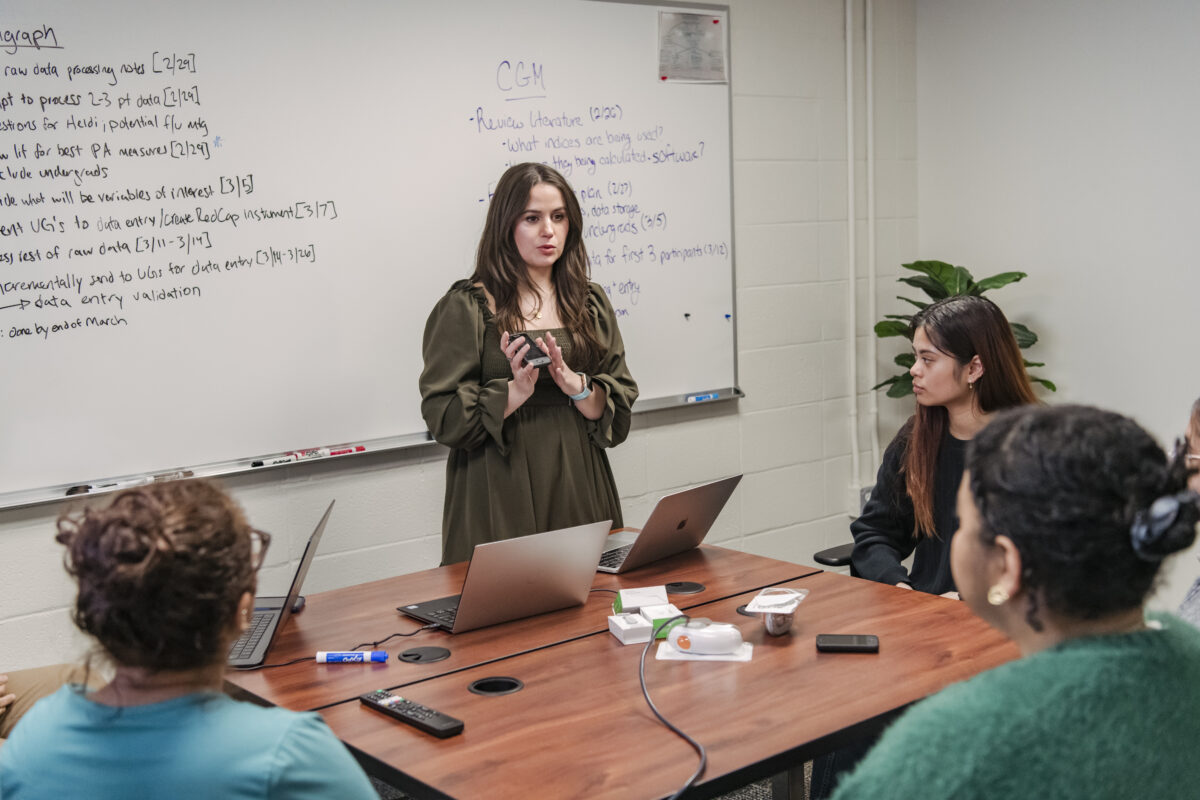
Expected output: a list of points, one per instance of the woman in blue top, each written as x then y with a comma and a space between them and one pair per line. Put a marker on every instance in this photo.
166, 578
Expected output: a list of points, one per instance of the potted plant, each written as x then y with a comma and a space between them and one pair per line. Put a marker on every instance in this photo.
939, 280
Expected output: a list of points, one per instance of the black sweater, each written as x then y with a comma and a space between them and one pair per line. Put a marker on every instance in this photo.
883, 534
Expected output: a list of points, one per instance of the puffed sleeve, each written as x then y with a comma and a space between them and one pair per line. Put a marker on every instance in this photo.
458, 408
613, 374
883, 533
311, 762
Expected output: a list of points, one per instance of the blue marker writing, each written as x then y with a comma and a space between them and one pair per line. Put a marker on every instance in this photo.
355, 656
700, 398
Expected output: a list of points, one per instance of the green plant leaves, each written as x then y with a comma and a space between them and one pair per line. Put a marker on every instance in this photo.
898, 385
1048, 384
939, 280
927, 285
953, 280
901, 387
916, 303
1025, 337
891, 327
996, 281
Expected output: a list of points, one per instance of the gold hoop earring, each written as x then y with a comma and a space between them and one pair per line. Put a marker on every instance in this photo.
997, 596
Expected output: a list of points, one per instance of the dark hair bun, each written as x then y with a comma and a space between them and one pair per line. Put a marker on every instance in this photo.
160, 572
1090, 501
1166, 527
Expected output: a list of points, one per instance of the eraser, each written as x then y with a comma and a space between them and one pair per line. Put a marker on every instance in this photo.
630, 628
633, 600
656, 615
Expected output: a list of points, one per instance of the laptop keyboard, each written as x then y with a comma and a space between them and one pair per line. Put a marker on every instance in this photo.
244, 646
614, 558
443, 616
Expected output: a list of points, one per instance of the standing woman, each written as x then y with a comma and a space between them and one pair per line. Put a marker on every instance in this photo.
968, 365
526, 442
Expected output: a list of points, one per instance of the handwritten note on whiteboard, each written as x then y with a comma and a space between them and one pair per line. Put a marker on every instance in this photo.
221, 228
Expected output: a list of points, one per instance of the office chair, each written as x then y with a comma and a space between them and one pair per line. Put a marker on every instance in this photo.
839, 556
836, 556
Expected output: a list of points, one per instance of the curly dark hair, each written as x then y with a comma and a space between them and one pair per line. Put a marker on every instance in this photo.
160, 571
1066, 484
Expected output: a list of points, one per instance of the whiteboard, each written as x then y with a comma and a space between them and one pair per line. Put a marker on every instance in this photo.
223, 225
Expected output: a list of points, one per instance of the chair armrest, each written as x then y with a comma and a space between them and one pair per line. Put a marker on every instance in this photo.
835, 556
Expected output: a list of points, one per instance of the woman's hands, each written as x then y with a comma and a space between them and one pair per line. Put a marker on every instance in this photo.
520, 388
564, 377
6, 697
951, 595
571, 382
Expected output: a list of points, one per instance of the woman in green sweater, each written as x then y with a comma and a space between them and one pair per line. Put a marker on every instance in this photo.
1065, 515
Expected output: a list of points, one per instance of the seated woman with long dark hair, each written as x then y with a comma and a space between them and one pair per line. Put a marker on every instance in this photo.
166, 578
968, 366
1065, 516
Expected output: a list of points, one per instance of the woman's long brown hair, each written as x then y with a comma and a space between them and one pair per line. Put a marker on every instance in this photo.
962, 327
499, 267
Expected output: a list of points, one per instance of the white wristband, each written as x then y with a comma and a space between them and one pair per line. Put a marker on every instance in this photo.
587, 390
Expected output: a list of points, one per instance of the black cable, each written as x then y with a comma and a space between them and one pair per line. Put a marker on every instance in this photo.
393, 636
313, 658
614, 591
699, 748
272, 666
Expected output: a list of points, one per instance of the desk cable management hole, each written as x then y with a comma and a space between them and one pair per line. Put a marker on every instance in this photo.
356, 647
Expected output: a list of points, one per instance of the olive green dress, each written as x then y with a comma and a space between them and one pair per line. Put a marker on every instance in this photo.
542, 468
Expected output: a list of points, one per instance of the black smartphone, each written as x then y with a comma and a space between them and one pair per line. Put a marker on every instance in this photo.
535, 356
847, 643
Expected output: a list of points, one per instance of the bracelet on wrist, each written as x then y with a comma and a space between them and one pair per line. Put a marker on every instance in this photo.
587, 389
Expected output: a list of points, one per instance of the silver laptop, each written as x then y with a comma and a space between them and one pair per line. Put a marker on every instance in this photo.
520, 577
270, 613
679, 522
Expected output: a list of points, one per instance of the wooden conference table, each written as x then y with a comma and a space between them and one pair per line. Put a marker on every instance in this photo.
343, 618
580, 726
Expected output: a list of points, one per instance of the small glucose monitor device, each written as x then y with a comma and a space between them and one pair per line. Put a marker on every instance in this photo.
705, 637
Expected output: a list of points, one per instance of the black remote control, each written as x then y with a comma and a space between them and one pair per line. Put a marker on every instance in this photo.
420, 717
